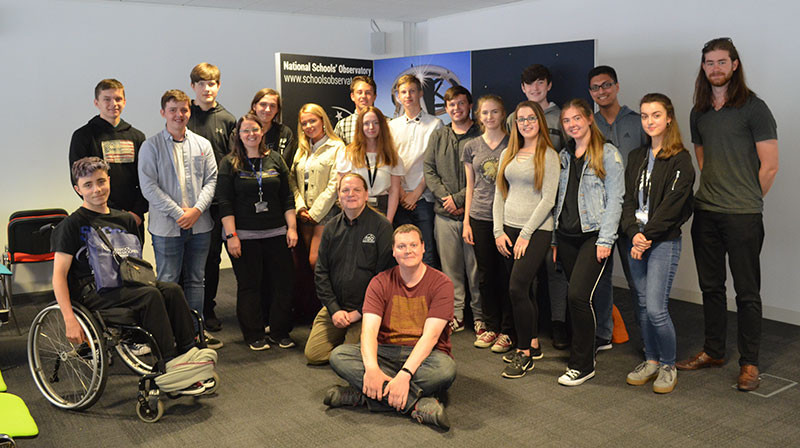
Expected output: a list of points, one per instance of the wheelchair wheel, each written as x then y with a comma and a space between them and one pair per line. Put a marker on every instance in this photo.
141, 364
70, 376
151, 410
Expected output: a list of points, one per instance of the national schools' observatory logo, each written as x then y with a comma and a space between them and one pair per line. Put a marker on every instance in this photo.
368, 239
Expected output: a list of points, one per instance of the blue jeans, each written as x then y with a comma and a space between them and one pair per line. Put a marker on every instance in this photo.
184, 254
436, 373
652, 276
422, 217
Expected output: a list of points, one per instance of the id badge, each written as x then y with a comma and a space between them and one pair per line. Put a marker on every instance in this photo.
641, 216
261, 207
373, 201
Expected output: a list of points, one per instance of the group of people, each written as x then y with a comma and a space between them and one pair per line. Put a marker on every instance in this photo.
494, 201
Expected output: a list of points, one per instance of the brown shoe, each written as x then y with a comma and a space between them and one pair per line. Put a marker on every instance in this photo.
748, 378
699, 361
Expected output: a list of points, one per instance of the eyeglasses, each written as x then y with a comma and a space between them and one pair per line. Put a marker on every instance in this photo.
532, 119
604, 86
250, 131
708, 44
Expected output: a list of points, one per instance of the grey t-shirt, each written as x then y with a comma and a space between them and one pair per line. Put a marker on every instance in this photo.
729, 179
485, 163
625, 132
525, 207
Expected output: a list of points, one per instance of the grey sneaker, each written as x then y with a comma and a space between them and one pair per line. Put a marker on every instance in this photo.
667, 378
429, 411
643, 373
338, 396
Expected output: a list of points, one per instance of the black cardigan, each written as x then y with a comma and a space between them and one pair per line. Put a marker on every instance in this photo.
671, 197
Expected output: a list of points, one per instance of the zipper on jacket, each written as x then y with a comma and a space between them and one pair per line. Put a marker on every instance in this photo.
677, 175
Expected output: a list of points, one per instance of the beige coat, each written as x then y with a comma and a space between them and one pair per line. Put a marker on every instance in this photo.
321, 193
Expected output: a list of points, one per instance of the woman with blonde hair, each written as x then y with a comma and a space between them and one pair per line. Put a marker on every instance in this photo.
313, 177
372, 154
587, 215
481, 159
527, 182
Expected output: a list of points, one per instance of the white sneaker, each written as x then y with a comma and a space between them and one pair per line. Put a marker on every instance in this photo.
575, 377
139, 349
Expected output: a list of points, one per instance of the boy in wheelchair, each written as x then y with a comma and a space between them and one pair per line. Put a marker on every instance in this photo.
160, 309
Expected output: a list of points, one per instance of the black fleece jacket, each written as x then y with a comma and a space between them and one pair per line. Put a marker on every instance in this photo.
215, 124
119, 146
671, 197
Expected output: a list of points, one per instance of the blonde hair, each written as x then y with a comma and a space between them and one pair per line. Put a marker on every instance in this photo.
594, 152
543, 144
485, 99
303, 144
357, 150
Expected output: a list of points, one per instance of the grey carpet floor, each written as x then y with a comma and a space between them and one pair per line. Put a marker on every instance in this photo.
272, 399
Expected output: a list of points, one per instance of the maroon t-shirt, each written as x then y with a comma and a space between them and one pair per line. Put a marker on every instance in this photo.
403, 310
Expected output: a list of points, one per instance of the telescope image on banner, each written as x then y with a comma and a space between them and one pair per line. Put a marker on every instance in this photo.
436, 72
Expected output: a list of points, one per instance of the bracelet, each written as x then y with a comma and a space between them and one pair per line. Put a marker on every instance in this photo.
231, 235
407, 371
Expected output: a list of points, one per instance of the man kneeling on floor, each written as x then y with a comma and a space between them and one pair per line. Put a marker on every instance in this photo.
356, 245
161, 309
404, 357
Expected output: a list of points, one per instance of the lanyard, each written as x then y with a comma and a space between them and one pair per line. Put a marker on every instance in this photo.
372, 174
259, 176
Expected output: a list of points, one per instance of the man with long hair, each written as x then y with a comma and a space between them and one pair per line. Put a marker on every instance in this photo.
736, 143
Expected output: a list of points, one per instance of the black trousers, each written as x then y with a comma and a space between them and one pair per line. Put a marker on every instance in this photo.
162, 310
264, 274
492, 279
579, 258
212, 264
740, 237
521, 274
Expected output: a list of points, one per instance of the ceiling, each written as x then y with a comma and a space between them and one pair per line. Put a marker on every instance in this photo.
397, 10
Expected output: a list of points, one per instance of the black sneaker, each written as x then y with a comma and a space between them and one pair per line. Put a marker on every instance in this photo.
575, 377
212, 342
519, 366
536, 353
602, 344
429, 411
338, 396
259, 345
283, 343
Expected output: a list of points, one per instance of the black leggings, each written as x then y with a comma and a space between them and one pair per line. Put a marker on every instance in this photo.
492, 279
264, 274
579, 257
521, 275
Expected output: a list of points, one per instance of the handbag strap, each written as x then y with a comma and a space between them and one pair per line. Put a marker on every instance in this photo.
107, 242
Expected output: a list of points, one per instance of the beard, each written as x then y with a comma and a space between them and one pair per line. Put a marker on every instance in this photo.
719, 81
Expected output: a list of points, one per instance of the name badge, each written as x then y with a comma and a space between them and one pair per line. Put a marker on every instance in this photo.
261, 207
641, 216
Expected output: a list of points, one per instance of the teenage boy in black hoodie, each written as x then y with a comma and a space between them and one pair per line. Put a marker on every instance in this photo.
212, 121
112, 139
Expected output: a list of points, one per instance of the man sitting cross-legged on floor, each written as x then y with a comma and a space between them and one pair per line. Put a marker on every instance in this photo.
404, 356
161, 309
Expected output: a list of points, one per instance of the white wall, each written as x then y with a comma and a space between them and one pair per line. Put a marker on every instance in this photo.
54, 52
656, 47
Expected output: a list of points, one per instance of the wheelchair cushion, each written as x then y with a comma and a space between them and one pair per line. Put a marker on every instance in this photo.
15, 418
118, 316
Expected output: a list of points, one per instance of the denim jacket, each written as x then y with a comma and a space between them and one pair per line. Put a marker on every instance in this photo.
160, 186
599, 200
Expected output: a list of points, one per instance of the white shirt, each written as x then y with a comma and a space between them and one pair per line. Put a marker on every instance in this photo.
383, 177
411, 137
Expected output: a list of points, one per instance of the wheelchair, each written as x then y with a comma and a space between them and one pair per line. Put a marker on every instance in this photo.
73, 376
